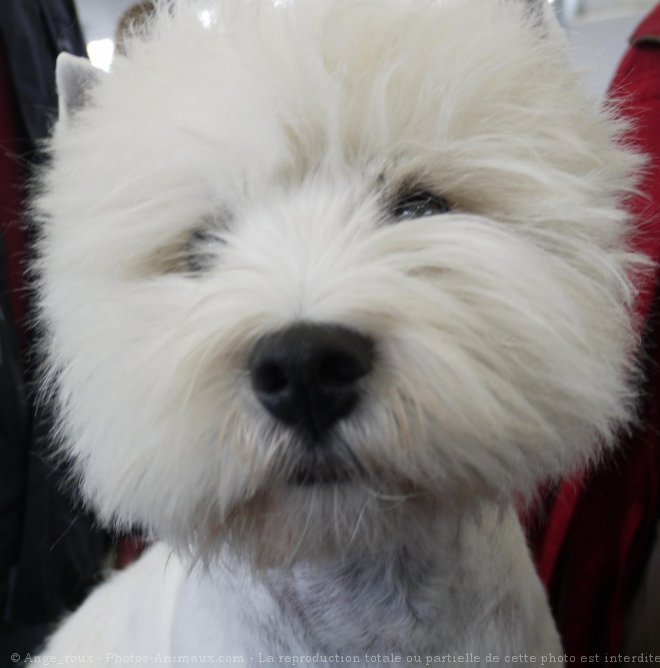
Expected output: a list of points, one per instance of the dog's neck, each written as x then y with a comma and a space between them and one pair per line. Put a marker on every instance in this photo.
403, 600
363, 603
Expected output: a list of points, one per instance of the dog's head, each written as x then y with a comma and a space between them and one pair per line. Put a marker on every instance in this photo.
311, 270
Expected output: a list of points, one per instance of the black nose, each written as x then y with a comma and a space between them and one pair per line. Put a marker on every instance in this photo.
307, 375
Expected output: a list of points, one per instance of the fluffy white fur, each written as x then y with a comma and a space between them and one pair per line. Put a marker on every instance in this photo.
280, 131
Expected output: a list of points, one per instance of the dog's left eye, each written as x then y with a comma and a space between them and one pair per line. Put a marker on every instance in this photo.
418, 204
202, 249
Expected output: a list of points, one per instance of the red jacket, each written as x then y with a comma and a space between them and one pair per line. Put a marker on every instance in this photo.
594, 540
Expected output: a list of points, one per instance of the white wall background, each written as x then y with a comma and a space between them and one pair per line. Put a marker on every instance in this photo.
598, 44
98, 18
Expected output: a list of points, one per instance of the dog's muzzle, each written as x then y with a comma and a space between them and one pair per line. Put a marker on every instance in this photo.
309, 376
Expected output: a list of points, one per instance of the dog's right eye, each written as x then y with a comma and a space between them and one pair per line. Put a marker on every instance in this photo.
418, 204
202, 249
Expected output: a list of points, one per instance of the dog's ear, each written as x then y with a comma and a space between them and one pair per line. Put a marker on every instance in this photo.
74, 77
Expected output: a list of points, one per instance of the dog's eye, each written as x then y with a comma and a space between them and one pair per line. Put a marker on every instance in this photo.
202, 249
418, 204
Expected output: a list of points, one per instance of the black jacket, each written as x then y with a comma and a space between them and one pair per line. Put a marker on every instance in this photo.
49, 548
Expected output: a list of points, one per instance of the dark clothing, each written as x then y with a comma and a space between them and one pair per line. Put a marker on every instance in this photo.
49, 550
33, 33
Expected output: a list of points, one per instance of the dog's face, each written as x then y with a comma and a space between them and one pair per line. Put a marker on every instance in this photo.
311, 270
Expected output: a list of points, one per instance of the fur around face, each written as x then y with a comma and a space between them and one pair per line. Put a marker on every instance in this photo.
235, 174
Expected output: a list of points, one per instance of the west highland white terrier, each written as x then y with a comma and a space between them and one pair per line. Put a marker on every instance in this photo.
327, 286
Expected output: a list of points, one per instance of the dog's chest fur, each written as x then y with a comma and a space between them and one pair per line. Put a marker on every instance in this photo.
457, 590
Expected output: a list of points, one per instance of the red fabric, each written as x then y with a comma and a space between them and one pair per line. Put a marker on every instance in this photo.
597, 531
10, 197
128, 550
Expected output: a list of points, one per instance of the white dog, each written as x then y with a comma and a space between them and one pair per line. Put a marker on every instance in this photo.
327, 284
